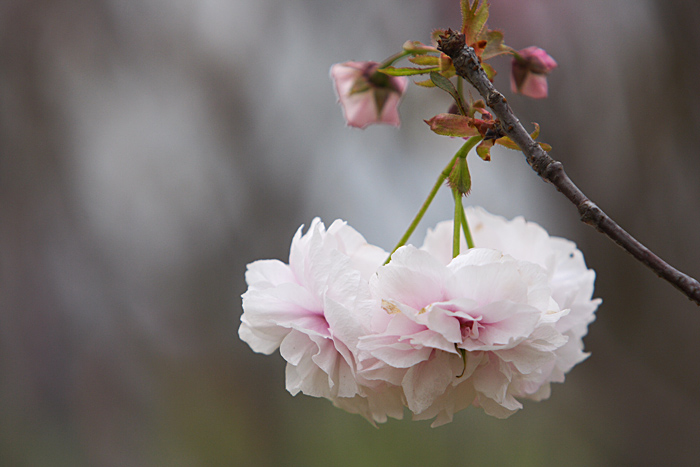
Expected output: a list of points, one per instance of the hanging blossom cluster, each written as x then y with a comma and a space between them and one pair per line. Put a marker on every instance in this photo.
432, 330
490, 327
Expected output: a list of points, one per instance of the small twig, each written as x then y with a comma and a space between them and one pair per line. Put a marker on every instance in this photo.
467, 66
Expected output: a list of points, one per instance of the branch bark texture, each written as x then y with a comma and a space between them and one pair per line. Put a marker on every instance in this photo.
467, 65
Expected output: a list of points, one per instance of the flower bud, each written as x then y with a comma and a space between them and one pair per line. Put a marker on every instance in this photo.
367, 95
530, 68
460, 178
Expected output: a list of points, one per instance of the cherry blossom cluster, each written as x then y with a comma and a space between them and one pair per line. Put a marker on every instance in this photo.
490, 327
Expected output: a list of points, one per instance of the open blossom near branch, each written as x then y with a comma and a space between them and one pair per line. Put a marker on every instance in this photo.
366, 95
314, 309
544, 357
435, 334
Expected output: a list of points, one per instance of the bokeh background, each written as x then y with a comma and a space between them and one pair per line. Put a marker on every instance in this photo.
150, 149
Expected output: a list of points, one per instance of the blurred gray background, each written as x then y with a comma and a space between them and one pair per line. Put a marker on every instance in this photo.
150, 149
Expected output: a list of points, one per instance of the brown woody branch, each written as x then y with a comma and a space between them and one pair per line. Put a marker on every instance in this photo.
468, 66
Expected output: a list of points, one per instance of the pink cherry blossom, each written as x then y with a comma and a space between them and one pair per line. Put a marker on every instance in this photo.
571, 282
477, 330
529, 71
433, 333
313, 310
366, 95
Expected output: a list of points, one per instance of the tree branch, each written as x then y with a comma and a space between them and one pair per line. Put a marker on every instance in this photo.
468, 66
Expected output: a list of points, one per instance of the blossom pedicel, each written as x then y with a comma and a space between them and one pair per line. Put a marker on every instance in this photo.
433, 333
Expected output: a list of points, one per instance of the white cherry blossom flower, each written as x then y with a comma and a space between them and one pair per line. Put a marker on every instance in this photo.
571, 282
313, 310
476, 330
433, 333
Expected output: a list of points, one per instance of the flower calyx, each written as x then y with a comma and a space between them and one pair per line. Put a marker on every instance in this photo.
460, 179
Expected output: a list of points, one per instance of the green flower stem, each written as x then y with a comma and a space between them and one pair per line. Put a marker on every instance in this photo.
457, 223
467, 232
394, 58
468, 146
416, 220
463, 151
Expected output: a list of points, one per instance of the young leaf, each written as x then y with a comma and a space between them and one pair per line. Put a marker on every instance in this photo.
446, 65
435, 34
535, 133
484, 149
446, 85
406, 71
489, 70
495, 45
418, 48
429, 84
474, 16
452, 125
506, 142
425, 60
425, 83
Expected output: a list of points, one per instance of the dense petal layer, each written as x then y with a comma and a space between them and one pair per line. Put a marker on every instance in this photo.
429, 332
483, 322
314, 310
